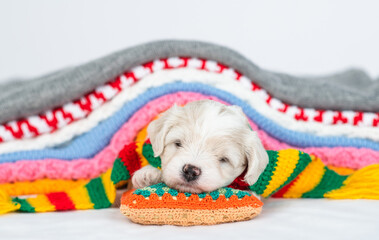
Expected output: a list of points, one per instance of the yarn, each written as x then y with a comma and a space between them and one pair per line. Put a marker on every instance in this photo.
159, 204
98, 193
81, 139
32, 170
294, 174
79, 169
40, 186
238, 88
83, 147
50, 121
289, 173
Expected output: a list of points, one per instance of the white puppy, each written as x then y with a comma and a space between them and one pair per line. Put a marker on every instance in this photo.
203, 146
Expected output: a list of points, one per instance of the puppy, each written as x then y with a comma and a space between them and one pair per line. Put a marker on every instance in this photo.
203, 146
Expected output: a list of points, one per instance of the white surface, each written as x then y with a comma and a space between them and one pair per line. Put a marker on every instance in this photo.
280, 219
300, 37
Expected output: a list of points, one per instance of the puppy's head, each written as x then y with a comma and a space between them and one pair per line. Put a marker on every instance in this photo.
205, 145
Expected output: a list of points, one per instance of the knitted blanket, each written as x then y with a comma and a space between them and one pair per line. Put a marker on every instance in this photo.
61, 132
290, 174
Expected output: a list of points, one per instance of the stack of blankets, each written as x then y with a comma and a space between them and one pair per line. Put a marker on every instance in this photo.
60, 133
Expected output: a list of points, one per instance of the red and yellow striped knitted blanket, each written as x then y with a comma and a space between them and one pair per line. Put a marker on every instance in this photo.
289, 174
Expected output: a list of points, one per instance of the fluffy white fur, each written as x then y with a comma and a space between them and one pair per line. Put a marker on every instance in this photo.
215, 138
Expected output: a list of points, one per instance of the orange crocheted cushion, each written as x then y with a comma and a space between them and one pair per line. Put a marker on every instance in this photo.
159, 204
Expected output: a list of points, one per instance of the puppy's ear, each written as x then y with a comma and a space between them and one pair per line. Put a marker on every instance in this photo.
257, 158
256, 155
158, 129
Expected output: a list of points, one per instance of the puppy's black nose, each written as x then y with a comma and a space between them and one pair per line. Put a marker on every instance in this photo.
190, 172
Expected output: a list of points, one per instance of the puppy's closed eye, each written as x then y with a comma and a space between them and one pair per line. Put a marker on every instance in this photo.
224, 160
178, 143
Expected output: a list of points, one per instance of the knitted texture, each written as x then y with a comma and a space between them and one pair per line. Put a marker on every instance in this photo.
290, 173
97, 193
82, 147
68, 147
64, 115
351, 90
41, 186
82, 168
295, 174
159, 204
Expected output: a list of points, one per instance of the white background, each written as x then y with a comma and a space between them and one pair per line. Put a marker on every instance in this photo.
297, 37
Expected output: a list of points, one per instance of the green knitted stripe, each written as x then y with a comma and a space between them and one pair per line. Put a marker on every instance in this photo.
304, 160
148, 153
25, 206
160, 189
330, 181
97, 193
265, 178
119, 172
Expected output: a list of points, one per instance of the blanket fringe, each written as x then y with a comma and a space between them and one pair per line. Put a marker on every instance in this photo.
363, 184
6, 204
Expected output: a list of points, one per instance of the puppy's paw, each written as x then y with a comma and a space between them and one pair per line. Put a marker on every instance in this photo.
146, 176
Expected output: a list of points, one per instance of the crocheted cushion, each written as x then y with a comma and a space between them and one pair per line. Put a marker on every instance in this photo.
160, 205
